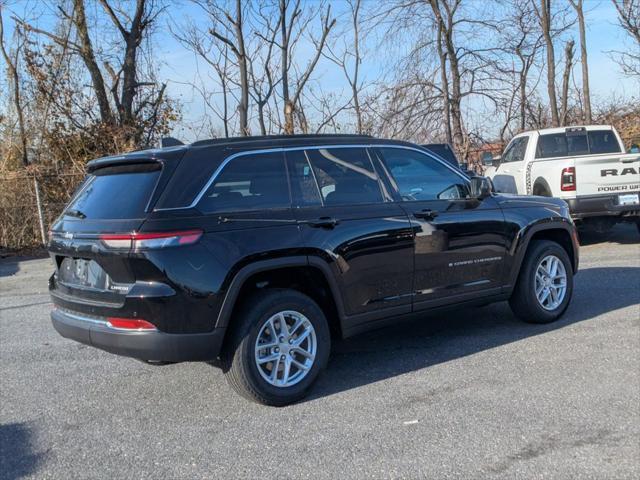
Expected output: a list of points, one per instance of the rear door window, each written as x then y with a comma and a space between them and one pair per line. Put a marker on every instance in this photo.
345, 176
115, 193
603, 141
304, 188
250, 182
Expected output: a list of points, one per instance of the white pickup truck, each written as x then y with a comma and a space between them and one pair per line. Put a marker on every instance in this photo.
586, 166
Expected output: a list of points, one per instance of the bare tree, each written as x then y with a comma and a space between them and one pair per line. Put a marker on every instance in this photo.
566, 76
261, 64
290, 23
444, 12
629, 19
235, 24
134, 110
586, 91
544, 15
12, 70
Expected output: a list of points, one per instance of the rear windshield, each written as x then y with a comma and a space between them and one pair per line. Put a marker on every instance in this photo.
577, 143
115, 194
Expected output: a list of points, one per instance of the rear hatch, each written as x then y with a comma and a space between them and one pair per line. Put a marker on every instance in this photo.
114, 198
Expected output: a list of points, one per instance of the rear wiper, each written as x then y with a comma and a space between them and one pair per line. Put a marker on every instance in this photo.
75, 213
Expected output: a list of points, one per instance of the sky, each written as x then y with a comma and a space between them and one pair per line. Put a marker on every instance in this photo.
603, 36
180, 67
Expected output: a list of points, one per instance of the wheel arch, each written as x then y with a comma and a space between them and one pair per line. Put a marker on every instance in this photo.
561, 232
308, 274
541, 186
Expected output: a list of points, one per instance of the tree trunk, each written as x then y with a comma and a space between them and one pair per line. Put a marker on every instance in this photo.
243, 106
284, 48
455, 98
586, 92
88, 56
545, 21
132, 40
356, 68
566, 76
12, 70
446, 109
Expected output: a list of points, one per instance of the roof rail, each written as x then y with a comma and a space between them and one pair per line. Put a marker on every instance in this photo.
256, 138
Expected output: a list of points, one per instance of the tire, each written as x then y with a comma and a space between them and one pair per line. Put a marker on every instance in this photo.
524, 301
239, 358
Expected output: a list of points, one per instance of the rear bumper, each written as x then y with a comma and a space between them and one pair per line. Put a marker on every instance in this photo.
601, 205
143, 345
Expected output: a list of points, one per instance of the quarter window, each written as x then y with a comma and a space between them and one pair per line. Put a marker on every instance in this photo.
420, 177
251, 182
345, 176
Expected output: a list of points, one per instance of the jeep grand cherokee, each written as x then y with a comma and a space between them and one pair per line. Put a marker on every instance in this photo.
255, 252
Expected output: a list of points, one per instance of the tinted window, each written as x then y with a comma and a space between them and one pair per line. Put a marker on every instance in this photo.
251, 182
577, 144
345, 176
552, 145
115, 195
516, 150
603, 141
303, 183
420, 177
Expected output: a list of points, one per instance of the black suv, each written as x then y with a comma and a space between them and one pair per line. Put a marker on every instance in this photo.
253, 253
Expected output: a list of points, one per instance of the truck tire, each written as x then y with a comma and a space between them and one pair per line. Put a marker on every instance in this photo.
278, 346
545, 283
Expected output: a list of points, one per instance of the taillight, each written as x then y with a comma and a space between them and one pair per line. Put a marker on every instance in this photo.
130, 324
144, 241
568, 179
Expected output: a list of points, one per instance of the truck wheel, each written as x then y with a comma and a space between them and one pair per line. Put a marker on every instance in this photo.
279, 345
545, 283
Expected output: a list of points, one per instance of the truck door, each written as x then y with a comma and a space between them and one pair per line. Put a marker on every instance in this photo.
510, 173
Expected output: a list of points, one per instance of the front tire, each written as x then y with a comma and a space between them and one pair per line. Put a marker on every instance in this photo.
545, 283
278, 346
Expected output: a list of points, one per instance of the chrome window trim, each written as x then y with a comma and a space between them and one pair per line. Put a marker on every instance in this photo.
230, 158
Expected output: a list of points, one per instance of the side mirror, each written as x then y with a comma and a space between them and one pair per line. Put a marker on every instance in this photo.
634, 148
487, 159
481, 187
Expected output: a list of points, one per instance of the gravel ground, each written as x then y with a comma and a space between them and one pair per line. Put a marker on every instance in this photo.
467, 394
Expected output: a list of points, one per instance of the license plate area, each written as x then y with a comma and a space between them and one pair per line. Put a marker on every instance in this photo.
80, 272
629, 199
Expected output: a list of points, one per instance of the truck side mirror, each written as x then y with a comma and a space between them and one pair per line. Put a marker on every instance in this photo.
481, 187
634, 148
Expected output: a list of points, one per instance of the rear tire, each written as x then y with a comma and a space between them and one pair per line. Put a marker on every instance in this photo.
540, 295
259, 334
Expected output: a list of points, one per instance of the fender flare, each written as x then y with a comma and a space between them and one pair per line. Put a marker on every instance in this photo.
523, 239
239, 279
541, 181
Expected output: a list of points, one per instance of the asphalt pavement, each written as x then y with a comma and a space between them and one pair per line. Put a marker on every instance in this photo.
467, 394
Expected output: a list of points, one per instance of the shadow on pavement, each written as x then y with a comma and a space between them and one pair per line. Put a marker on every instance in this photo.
17, 457
435, 339
9, 266
622, 234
